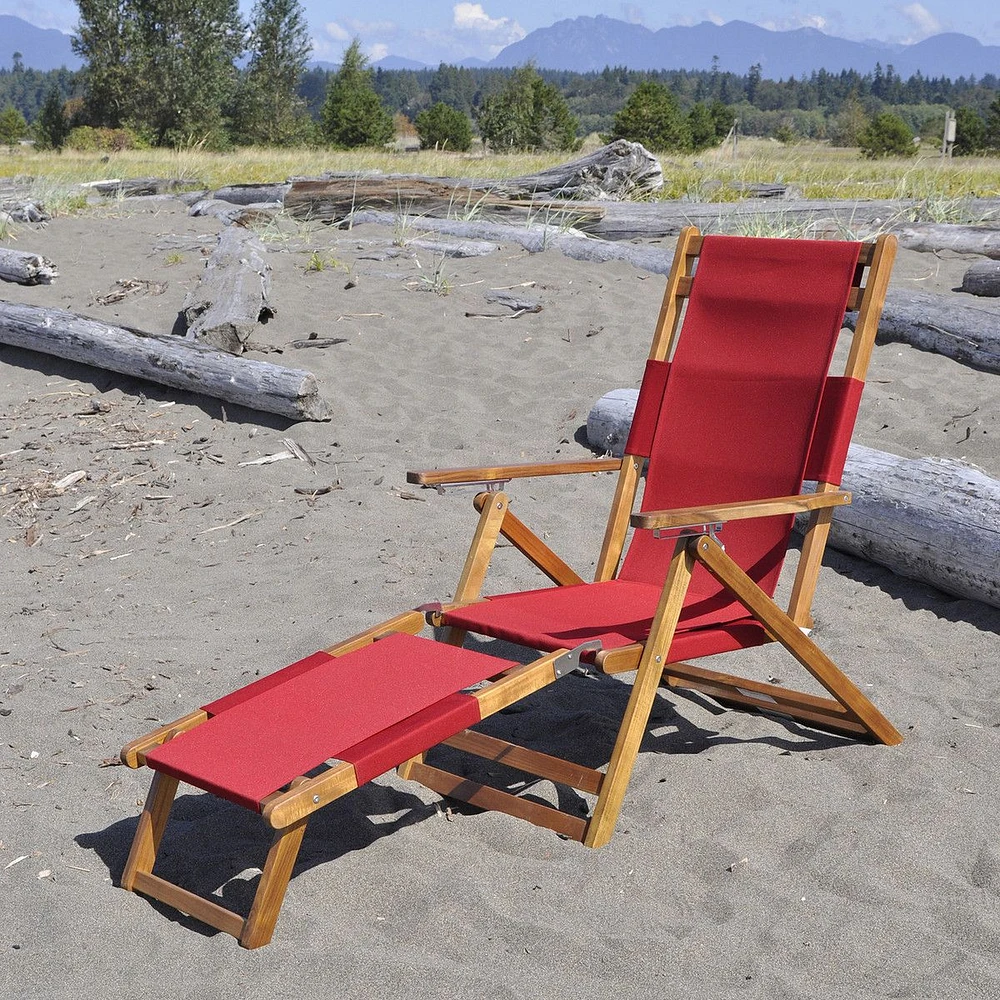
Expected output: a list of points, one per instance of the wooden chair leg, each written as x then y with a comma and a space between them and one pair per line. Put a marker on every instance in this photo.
149, 832
259, 925
640, 703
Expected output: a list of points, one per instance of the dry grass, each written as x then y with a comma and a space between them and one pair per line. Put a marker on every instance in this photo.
815, 169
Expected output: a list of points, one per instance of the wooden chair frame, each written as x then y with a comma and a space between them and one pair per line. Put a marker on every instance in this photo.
847, 710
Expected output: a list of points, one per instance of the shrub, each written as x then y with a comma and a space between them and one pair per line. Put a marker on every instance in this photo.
527, 113
442, 127
652, 116
887, 135
13, 127
86, 139
970, 132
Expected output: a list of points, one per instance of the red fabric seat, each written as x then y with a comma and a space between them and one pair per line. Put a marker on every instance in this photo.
732, 417
375, 708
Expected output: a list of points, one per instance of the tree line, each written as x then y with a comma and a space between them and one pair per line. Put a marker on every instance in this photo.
195, 72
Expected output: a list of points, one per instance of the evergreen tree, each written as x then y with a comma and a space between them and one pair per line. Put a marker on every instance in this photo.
51, 127
527, 113
887, 135
652, 116
352, 114
701, 125
269, 112
13, 127
105, 40
992, 138
442, 127
970, 132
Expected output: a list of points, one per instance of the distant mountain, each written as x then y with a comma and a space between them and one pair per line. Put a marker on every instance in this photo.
585, 44
398, 62
40, 48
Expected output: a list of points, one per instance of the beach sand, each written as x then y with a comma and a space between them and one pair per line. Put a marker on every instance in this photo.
753, 858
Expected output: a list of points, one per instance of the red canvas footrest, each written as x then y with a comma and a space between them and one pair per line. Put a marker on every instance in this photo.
375, 708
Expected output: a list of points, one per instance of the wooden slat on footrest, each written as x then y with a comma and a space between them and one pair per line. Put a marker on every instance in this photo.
586, 779
484, 797
187, 902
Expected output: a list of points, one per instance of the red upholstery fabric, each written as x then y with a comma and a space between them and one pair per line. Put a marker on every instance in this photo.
733, 422
616, 612
832, 438
372, 703
647, 408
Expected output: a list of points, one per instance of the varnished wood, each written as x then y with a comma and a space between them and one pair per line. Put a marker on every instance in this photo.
134, 754
484, 541
517, 683
620, 660
485, 797
870, 310
775, 506
640, 702
782, 628
824, 713
187, 902
410, 622
485, 474
528, 543
310, 794
621, 507
149, 831
543, 765
810, 559
259, 926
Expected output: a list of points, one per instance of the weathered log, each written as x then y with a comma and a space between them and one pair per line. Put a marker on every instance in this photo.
929, 519
135, 186
965, 331
983, 279
231, 297
252, 194
930, 237
171, 361
616, 171
26, 268
230, 213
534, 239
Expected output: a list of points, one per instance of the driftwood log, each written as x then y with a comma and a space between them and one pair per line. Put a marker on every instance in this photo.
231, 297
968, 332
983, 279
26, 268
617, 171
171, 361
134, 187
929, 519
930, 237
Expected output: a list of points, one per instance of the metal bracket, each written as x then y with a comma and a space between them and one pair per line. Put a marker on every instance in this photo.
711, 528
488, 486
570, 660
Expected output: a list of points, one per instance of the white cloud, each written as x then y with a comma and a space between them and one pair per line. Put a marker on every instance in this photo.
377, 51
633, 13
795, 21
335, 32
499, 31
923, 21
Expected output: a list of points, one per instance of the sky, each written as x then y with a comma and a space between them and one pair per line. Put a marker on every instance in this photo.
433, 31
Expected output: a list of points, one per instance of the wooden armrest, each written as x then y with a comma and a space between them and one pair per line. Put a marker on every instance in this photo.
487, 474
684, 517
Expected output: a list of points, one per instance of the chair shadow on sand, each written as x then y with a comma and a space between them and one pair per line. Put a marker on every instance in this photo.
577, 718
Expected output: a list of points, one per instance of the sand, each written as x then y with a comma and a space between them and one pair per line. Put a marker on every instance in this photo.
753, 858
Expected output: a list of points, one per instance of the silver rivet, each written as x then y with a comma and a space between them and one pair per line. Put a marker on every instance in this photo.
659, 659
316, 799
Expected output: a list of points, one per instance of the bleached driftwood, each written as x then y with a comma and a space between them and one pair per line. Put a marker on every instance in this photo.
930, 237
616, 171
171, 361
224, 309
135, 186
26, 268
230, 213
969, 332
929, 519
983, 278
534, 239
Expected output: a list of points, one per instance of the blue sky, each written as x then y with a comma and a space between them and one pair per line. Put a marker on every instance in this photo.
434, 30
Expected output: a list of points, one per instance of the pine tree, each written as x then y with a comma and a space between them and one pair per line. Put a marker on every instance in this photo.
527, 113
652, 116
13, 127
443, 127
352, 114
268, 110
51, 126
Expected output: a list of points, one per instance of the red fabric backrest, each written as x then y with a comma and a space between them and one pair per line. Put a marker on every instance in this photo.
647, 408
741, 403
837, 413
